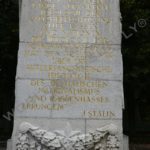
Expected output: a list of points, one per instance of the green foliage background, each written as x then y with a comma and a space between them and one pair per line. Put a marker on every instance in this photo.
9, 30
136, 56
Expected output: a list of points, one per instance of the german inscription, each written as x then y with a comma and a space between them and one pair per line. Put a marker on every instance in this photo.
71, 21
69, 61
65, 98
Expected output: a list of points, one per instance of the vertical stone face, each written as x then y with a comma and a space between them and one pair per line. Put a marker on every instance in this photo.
80, 21
69, 72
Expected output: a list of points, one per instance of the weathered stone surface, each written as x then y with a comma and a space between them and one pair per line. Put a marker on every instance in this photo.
125, 142
65, 21
69, 99
69, 72
44, 61
94, 124
9, 144
108, 30
84, 126
49, 125
104, 62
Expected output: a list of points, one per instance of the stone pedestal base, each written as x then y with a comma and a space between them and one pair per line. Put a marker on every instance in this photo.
9, 144
125, 142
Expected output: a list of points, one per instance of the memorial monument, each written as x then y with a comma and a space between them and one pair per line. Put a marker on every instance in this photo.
69, 93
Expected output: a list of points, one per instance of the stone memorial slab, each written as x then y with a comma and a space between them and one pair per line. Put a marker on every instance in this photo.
44, 61
69, 93
63, 127
70, 21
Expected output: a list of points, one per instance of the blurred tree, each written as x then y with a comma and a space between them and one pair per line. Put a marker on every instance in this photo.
136, 55
8, 59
